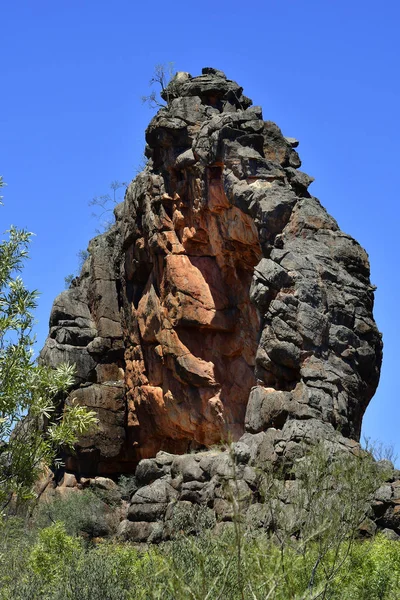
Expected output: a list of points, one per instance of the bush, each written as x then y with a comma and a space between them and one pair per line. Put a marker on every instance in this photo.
56, 566
80, 512
373, 572
32, 430
45, 557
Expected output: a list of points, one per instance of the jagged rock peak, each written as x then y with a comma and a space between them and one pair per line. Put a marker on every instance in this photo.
212, 86
223, 299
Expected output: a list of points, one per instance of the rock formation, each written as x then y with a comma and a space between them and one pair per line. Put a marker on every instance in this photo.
224, 299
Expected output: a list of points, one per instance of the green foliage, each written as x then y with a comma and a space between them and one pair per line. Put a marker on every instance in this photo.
372, 572
68, 279
305, 553
31, 431
53, 542
81, 512
330, 493
57, 566
2, 184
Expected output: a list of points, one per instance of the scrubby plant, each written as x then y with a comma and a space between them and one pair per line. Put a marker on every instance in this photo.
58, 566
204, 567
373, 571
80, 512
331, 494
31, 428
53, 542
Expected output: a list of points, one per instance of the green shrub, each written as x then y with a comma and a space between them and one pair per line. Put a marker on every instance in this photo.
80, 512
372, 572
57, 566
52, 551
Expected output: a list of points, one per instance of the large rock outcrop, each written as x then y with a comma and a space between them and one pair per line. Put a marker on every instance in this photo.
223, 299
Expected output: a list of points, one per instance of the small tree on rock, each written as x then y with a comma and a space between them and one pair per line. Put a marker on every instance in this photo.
162, 76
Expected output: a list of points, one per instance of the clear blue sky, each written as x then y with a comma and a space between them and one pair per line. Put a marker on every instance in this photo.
71, 120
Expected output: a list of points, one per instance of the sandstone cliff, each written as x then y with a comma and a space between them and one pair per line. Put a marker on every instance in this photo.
224, 299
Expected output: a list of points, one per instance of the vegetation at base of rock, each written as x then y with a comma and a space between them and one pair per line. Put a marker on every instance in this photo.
53, 565
83, 513
312, 551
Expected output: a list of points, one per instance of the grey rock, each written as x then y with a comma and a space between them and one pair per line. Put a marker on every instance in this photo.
192, 491
158, 492
70, 304
390, 535
384, 493
135, 531
186, 159
253, 442
292, 141
190, 109
241, 452
267, 408
223, 466
250, 476
367, 528
54, 354
104, 483
99, 345
164, 458
147, 512
69, 480
272, 274
390, 519
212, 71
148, 471
386, 467
188, 466
396, 490
299, 181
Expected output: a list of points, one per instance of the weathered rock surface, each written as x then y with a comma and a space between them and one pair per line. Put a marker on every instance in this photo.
223, 299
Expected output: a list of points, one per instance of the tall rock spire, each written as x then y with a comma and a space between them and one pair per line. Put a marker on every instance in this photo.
223, 298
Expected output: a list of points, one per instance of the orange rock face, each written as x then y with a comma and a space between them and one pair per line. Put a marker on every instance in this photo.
197, 329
